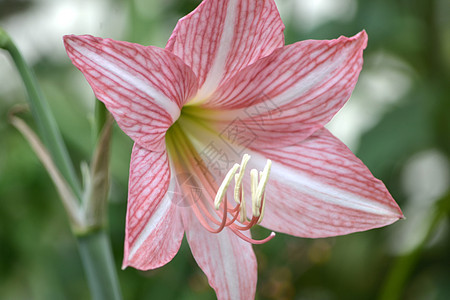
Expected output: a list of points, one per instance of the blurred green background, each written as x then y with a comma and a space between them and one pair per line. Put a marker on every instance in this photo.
397, 122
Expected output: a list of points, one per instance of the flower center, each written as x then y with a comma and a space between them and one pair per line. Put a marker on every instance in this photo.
211, 205
236, 217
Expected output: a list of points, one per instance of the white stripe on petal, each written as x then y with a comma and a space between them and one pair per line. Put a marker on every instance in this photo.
215, 74
158, 98
158, 215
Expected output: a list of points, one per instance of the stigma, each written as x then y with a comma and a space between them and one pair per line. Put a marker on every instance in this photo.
223, 214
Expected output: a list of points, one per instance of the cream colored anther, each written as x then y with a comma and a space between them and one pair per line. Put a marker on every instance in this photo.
238, 179
254, 187
240, 199
258, 182
224, 186
264, 177
263, 202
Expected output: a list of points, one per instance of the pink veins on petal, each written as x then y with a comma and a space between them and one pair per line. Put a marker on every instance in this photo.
226, 86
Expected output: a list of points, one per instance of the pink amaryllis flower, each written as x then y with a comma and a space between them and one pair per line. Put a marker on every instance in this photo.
224, 89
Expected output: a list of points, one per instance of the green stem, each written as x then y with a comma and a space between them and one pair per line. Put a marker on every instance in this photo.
398, 276
41, 112
94, 244
97, 258
101, 114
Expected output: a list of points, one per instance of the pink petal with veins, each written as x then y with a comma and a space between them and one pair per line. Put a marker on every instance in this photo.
228, 261
219, 38
316, 188
152, 214
319, 188
286, 96
143, 87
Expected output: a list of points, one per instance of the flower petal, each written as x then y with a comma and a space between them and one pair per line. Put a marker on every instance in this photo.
154, 229
143, 87
319, 188
316, 188
220, 37
286, 96
228, 261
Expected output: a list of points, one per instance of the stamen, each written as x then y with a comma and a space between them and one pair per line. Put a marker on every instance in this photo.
253, 187
235, 218
224, 186
243, 207
250, 240
262, 209
216, 220
264, 177
239, 177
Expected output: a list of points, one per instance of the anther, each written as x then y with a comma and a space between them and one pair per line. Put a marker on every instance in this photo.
264, 177
239, 177
235, 218
262, 210
241, 198
253, 187
224, 186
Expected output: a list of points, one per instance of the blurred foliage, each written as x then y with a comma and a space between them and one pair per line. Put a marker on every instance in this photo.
38, 255
9, 7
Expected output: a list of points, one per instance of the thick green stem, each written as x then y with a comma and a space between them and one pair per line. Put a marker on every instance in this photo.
47, 126
97, 258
